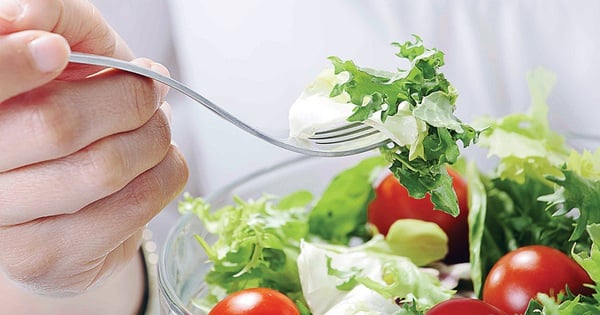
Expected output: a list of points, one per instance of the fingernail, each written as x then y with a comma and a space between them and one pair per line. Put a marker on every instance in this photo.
166, 108
10, 10
49, 52
157, 67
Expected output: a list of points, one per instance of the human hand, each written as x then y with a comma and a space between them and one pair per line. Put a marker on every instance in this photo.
86, 156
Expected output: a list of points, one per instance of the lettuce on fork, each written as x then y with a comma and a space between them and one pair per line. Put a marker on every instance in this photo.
414, 108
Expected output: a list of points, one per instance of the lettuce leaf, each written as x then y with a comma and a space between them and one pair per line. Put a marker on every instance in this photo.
524, 142
257, 243
341, 211
590, 260
477, 214
430, 98
530, 196
360, 280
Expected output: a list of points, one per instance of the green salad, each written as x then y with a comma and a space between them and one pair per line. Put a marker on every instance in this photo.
379, 237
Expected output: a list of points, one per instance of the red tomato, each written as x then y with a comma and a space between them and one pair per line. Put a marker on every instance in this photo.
518, 276
462, 306
392, 202
255, 301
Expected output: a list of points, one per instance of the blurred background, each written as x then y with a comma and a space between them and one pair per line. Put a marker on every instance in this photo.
254, 57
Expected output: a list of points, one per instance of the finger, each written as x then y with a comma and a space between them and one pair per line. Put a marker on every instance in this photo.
68, 184
103, 231
126, 211
78, 21
62, 117
11, 11
166, 108
29, 59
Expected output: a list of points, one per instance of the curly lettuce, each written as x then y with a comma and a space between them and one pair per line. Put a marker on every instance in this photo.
423, 93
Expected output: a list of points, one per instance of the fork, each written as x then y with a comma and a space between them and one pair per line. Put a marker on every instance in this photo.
349, 139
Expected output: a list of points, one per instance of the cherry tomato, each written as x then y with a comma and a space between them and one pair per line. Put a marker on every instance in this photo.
255, 301
392, 202
461, 306
519, 275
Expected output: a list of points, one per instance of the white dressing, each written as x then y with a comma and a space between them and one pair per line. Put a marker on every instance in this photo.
315, 110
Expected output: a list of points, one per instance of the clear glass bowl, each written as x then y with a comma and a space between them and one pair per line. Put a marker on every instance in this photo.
182, 264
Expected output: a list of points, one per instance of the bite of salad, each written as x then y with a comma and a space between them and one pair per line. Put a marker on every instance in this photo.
416, 229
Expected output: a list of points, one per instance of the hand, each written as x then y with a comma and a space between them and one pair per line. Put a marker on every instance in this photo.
86, 156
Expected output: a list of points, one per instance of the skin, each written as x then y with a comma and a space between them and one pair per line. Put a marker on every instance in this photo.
86, 162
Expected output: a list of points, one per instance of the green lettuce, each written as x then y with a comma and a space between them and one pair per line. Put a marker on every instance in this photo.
524, 143
341, 211
529, 150
430, 98
257, 244
353, 280
530, 197
579, 188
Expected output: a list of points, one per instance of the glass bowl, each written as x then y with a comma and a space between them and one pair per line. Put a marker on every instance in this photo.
182, 264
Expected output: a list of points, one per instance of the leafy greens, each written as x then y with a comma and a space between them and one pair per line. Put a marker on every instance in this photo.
257, 244
281, 243
430, 98
542, 191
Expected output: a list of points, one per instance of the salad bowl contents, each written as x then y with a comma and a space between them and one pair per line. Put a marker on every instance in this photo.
412, 229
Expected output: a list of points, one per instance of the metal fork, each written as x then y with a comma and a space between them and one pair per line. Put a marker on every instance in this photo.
350, 139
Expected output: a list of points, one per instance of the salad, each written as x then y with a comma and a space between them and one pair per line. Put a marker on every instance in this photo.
416, 229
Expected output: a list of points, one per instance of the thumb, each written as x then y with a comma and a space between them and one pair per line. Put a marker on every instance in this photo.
29, 59
78, 21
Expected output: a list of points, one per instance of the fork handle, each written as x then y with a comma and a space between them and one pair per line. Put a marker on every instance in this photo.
108, 62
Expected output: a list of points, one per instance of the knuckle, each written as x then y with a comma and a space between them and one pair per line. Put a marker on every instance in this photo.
30, 271
182, 169
143, 97
151, 191
162, 130
144, 197
105, 169
51, 127
24, 261
54, 11
104, 37
43, 271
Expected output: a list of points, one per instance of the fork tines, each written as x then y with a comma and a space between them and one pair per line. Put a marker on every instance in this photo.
350, 132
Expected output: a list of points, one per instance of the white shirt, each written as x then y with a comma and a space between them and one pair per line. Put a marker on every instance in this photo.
254, 57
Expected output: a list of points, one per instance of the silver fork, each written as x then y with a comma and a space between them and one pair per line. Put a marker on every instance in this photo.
350, 139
